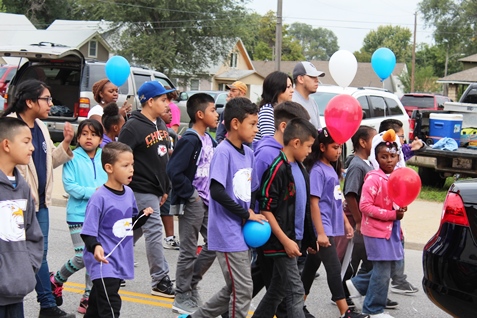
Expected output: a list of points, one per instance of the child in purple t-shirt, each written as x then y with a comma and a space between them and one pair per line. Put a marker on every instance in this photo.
329, 220
111, 216
381, 229
231, 183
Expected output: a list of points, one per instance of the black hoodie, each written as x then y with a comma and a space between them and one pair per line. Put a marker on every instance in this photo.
149, 142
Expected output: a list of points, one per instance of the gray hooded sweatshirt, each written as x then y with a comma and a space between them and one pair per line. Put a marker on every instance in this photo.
21, 240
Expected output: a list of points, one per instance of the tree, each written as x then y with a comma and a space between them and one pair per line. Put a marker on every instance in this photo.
424, 80
317, 43
395, 38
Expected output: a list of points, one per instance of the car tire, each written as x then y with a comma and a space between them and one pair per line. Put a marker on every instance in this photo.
431, 178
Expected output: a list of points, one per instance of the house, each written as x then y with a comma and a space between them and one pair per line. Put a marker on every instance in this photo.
12, 24
457, 82
365, 76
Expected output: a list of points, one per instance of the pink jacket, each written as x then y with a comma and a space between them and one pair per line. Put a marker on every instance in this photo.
376, 206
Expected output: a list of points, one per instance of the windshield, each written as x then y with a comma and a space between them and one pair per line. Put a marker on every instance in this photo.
3, 70
418, 101
322, 100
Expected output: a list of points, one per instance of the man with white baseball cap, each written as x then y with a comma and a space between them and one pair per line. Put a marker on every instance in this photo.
305, 76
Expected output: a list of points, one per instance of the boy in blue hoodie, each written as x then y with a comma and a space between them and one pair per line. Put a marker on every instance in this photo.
21, 239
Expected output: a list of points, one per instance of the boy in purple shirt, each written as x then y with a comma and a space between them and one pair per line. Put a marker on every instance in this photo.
111, 216
231, 184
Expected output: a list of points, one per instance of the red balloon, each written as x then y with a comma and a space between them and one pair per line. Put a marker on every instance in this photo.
404, 185
343, 116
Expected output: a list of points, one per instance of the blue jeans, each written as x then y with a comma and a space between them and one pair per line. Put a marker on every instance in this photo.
43, 285
12, 311
375, 284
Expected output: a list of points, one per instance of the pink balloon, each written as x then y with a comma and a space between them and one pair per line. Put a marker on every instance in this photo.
404, 185
343, 116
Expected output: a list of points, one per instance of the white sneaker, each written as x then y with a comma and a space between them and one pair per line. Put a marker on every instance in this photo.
171, 244
355, 296
381, 315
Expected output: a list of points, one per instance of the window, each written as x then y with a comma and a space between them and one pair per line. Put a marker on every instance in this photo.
363, 101
194, 84
93, 48
233, 60
140, 79
379, 106
393, 107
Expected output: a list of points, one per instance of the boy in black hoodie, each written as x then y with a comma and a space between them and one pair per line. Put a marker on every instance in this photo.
146, 133
21, 239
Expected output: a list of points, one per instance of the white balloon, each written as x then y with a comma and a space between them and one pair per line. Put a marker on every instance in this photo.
343, 67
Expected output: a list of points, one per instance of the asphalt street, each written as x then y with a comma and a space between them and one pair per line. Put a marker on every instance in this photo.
138, 302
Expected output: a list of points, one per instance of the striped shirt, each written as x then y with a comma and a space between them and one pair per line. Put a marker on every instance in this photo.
266, 122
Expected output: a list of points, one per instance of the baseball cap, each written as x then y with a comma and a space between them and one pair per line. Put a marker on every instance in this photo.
306, 68
239, 85
151, 89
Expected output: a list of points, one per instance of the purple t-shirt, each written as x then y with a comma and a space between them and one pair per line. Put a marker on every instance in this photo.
201, 179
109, 219
234, 171
300, 200
381, 249
324, 183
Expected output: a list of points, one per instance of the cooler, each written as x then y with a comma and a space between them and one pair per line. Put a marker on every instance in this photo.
445, 125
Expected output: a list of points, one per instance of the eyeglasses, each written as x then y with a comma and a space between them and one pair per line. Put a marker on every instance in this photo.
48, 99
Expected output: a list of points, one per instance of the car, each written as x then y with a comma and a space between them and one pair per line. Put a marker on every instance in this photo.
220, 98
449, 259
6, 74
420, 101
70, 78
377, 104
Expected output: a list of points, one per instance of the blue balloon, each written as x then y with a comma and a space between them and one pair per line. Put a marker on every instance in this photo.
117, 70
256, 234
383, 62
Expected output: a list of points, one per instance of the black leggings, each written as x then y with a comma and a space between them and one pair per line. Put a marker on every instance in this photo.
332, 264
98, 305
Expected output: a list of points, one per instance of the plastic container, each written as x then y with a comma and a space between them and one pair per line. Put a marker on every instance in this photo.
445, 125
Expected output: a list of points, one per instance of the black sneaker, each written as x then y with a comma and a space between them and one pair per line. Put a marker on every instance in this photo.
164, 288
391, 304
307, 313
54, 312
123, 283
353, 314
405, 288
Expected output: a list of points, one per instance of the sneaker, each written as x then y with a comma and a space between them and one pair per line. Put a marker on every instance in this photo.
391, 304
171, 244
83, 306
381, 315
56, 289
353, 314
307, 313
123, 283
349, 302
355, 296
196, 297
184, 304
54, 312
136, 264
164, 288
183, 316
404, 289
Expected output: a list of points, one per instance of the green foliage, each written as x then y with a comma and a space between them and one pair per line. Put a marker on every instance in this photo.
395, 38
317, 43
424, 80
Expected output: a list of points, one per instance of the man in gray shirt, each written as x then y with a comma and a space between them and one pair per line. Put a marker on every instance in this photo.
305, 76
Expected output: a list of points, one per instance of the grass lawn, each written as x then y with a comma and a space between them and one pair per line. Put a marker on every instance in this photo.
434, 194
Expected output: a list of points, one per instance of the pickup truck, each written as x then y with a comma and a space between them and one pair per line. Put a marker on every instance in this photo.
435, 165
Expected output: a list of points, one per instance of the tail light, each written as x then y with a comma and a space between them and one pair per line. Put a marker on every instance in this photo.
83, 107
454, 210
412, 125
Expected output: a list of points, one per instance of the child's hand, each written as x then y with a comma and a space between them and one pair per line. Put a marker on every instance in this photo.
417, 144
99, 254
148, 211
349, 231
311, 251
256, 217
400, 213
163, 199
291, 248
323, 241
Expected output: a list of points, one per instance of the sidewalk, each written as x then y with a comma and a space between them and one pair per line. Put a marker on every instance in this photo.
419, 224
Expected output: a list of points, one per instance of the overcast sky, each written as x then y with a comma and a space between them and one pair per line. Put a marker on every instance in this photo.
350, 20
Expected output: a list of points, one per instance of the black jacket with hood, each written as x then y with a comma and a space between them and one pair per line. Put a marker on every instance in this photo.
150, 143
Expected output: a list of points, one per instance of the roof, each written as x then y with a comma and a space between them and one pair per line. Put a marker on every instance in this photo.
13, 23
470, 58
365, 75
234, 74
463, 77
71, 25
71, 38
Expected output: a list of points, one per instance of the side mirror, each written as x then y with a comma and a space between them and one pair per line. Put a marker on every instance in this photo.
183, 96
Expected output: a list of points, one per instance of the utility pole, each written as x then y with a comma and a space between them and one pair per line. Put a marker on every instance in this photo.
413, 65
278, 36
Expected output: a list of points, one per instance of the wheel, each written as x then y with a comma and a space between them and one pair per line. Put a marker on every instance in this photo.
429, 177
